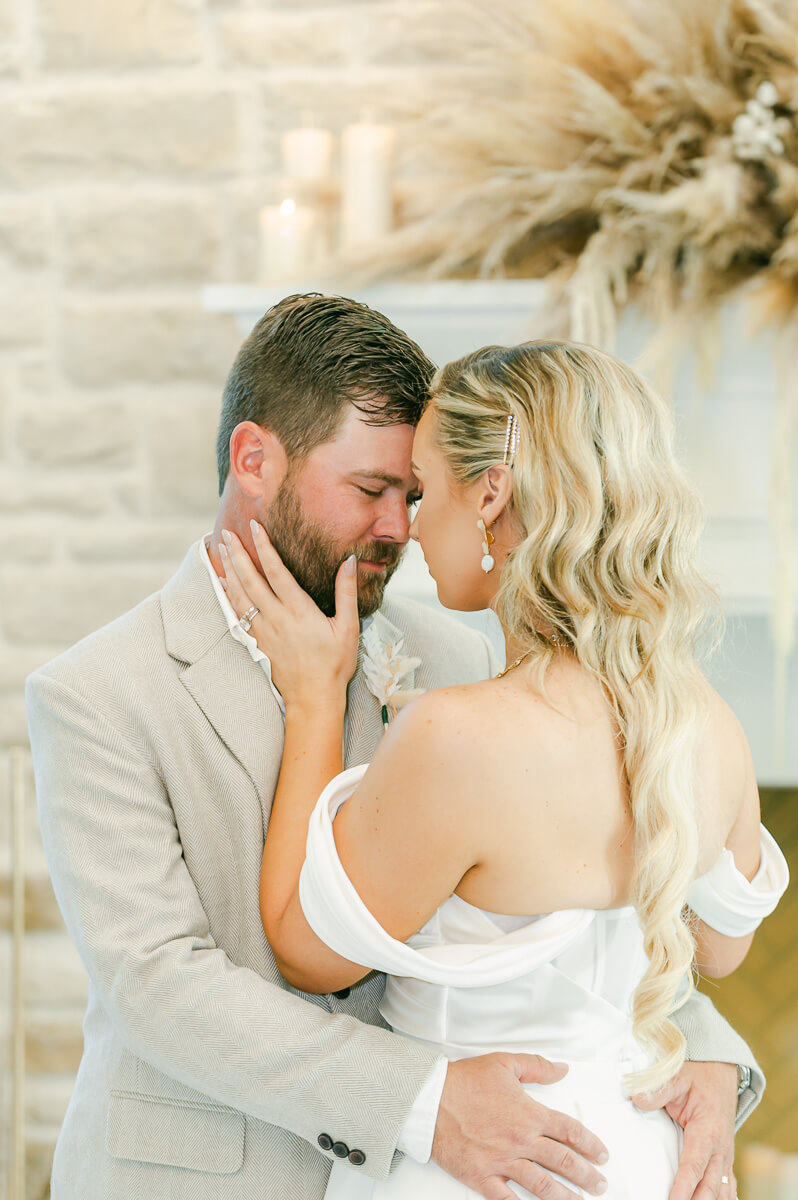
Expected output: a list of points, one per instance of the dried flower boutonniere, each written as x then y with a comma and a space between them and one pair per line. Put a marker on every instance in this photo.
385, 668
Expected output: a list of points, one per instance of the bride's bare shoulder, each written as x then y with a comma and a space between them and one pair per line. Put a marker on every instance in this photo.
466, 701
723, 750
442, 709
726, 794
451, 725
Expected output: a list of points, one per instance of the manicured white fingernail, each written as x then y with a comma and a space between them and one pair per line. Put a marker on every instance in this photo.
602, 1158
254, 526
226, 536
351, 564
222, 549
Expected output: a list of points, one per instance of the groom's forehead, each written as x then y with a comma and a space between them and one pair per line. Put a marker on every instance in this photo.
371, 450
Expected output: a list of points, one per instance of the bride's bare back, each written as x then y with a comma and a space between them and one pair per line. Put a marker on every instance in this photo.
543, 793
520, 806
557, 829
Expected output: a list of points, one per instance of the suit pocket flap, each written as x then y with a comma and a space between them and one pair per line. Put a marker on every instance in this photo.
175, 1133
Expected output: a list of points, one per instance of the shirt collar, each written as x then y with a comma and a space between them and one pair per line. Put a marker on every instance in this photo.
246, 639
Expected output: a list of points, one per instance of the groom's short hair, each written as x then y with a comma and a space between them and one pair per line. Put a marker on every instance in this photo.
309, 357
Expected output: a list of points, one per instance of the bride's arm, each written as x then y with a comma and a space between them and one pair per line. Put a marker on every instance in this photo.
731, 900
402, 838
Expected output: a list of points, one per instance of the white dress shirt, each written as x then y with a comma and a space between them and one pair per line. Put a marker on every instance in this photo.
418, 1130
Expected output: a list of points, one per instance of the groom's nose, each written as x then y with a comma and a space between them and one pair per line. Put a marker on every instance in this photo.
393, 521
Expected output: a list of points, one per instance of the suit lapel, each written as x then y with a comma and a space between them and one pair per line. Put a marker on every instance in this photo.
235, 696
221, 678
364, 721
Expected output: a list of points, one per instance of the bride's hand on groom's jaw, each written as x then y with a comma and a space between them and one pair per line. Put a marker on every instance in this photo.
702, 1098
490, 1130
312, 656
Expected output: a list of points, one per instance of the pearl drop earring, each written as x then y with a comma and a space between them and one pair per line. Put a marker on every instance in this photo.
488, 561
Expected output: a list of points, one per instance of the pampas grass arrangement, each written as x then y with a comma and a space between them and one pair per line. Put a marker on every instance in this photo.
642, 151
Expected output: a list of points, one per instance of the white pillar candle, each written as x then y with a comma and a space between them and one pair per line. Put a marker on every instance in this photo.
367, 151
307, 153
288, 241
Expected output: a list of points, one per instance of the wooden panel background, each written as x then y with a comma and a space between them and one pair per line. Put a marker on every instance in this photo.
761, 998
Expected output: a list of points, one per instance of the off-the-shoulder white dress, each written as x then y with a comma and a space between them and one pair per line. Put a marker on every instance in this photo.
559, 985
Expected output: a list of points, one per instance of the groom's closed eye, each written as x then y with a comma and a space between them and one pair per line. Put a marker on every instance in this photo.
411, 501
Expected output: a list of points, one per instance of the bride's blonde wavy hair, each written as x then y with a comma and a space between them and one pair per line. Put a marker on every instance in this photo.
608, 559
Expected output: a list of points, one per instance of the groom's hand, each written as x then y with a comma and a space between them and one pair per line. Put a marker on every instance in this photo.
702, 1098
490, 1130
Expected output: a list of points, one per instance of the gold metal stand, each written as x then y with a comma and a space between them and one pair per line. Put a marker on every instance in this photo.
17, 1009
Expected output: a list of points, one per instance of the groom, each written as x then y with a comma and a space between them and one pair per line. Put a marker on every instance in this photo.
157, 744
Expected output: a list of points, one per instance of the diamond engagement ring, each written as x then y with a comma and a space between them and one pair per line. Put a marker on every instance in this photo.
724, 1178
249, 616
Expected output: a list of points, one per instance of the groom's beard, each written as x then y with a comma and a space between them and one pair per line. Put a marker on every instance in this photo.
313, 558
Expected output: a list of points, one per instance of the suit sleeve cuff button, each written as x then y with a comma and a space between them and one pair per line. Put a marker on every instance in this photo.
357, 1157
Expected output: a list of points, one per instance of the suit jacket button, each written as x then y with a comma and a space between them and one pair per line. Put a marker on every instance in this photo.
340, 1150
325, 1141
342, 995
357, 1157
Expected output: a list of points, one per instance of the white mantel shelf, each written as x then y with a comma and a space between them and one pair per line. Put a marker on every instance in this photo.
468, 294
446, 300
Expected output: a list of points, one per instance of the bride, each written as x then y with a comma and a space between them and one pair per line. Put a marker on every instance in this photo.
519, 854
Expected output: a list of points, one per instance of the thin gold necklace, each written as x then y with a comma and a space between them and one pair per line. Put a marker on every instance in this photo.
515, 664
556, 639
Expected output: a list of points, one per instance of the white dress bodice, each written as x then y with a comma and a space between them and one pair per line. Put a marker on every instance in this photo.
570, 998
470, 982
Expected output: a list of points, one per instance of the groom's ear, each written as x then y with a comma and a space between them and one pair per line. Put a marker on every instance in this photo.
495, 493
258, 462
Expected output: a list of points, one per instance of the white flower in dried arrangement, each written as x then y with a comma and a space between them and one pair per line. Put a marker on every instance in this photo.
386, 668
758, 132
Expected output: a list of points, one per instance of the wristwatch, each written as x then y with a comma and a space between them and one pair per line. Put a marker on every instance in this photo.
743, 1079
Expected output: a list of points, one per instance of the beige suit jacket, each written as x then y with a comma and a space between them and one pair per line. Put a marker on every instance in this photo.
157, 748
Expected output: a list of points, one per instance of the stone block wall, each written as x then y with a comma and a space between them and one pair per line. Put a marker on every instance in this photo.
138, 139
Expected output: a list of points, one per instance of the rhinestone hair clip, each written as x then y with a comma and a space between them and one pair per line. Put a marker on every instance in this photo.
510, 441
